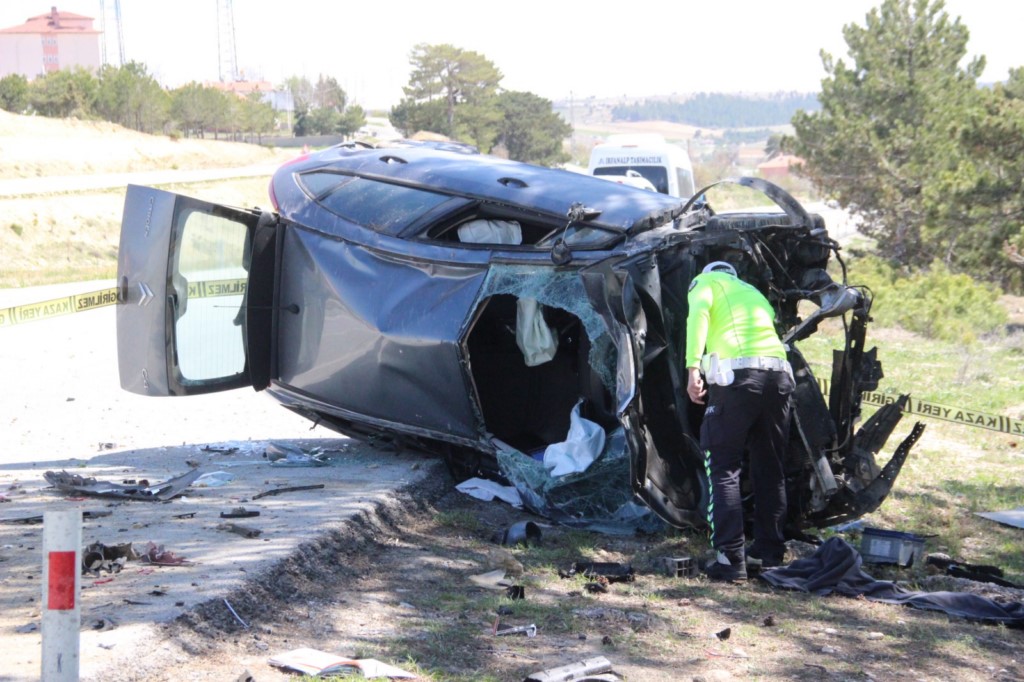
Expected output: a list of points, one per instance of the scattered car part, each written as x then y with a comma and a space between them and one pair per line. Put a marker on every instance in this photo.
878, 546
523, 533
239, 513
528, 630
573, 671
976, 572
287, 455
680, 567
98, 557
288, 489
160, 492
1009, 517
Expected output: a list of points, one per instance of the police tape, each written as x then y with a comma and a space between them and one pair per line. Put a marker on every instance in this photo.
957, 415
79, 303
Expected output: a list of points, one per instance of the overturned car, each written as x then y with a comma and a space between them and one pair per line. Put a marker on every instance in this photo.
475, 307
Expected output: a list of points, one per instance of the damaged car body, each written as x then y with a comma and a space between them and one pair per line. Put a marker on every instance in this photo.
466, 306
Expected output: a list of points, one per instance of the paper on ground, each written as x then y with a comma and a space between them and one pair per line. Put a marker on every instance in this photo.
314, 662
485, 490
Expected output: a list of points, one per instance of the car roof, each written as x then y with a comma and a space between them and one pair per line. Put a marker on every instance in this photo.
546, 190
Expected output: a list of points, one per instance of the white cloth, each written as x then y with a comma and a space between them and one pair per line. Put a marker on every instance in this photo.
485, 490
533, 335
580, 448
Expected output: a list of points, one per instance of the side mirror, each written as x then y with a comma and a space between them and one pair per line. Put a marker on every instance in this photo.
561, 254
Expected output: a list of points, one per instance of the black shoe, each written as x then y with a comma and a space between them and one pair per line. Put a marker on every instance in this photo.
758, 562
727, 573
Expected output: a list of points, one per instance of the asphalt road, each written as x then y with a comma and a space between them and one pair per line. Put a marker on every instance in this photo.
62, 409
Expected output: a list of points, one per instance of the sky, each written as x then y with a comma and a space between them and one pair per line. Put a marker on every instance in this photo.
558, 49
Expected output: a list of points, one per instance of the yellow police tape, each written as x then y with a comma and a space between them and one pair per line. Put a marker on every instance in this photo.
77, 303
958, 415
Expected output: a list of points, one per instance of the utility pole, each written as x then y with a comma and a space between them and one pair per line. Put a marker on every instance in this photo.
226, 42
118, 30
572, 125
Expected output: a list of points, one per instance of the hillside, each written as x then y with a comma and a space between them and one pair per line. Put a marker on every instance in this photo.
35, 146
69, 236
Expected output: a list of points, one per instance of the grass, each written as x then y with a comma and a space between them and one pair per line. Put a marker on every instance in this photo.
956, 470
75, 237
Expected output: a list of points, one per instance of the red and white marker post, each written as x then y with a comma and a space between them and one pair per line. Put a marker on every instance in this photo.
62, 615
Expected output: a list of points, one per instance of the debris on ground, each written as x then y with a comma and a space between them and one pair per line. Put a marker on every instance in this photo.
680, 567
286, 455
591, 669
156, 555
213, 479
239, 513
492, 580
238, 529
98, 558
526, 533
528, 630
836, 567
977, 572
612, 571
290, 489
320, 663
486, 490
879, 546
81, 485
1009, 517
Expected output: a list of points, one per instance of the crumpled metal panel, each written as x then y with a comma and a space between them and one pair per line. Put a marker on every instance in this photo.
375, 334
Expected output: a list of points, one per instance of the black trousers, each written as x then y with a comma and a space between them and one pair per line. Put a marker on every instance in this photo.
751, 414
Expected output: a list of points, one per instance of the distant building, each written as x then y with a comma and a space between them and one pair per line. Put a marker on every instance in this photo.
49, 42
279, 100
778, 167
242, 88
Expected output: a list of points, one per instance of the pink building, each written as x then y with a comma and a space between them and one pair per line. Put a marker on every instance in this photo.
778, 167
49, 42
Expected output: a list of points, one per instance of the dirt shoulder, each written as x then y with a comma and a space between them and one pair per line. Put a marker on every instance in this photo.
398, 586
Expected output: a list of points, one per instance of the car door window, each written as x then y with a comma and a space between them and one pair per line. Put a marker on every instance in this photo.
209, 283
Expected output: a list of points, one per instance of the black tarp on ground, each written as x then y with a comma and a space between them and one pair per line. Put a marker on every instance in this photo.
836, 567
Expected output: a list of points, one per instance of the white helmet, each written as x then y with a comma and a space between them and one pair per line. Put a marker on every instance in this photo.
719, 266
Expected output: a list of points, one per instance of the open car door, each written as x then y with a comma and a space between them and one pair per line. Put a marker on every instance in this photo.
182, 277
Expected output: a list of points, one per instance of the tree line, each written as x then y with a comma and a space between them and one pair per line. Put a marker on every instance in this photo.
720, 110
457, 93
130, 96
907, 138
452, 92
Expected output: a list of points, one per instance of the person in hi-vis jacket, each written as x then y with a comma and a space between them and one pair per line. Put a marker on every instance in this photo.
737, 365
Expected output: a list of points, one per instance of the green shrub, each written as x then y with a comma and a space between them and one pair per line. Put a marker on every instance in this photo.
16, 229
935, 303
